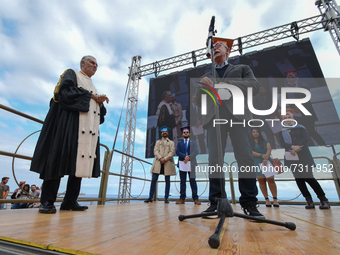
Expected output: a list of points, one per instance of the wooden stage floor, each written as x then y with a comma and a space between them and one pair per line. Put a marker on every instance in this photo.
139, 228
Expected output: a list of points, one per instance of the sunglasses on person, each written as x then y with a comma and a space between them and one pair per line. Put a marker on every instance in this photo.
217, 45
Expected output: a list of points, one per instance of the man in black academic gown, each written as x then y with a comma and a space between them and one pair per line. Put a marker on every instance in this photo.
69, 139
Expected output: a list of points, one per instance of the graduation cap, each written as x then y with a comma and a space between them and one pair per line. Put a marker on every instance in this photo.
164, 128
288, 111
225, 41
291, 73
185, 128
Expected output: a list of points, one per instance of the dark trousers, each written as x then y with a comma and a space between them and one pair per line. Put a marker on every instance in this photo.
50, 190
301, 178
153, 185
183, 188
301, 183
15, 206
201, 143
310, 126
241, 142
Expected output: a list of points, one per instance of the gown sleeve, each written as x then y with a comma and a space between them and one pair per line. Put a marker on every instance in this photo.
70, 96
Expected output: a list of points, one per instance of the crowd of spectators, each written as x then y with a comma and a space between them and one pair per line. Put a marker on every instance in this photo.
24, 191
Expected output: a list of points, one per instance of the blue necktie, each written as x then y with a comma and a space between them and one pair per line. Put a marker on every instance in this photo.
186, 146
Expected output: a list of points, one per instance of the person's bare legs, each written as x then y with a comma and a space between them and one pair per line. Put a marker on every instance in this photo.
263, 186
273, 189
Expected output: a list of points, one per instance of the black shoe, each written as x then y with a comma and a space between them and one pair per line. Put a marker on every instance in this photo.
166, 200
47, 207
251, 210
270, 205
275, 205
149, 200
324, 203
211, 208
72, 206
310, 203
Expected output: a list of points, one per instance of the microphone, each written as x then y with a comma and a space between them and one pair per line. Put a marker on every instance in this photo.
210, 35
212, 24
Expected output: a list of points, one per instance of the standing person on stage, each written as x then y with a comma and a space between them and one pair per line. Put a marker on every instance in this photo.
69, 139
186, 152
4, 190
294, 139
163, 163
261, 155
242, 77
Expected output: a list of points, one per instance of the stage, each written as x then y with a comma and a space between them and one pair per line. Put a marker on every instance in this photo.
139, 228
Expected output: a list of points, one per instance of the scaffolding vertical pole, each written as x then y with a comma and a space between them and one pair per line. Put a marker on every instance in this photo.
124, 191
330, 19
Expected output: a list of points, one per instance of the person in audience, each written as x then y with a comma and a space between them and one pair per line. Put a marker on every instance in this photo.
4, 190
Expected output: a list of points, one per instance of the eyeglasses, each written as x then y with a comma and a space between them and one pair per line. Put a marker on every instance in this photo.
217, 45
186, 132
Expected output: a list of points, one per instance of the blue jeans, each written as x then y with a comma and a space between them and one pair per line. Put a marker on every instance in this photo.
241, 141
15, 206
193, 185
153, 185
2, 205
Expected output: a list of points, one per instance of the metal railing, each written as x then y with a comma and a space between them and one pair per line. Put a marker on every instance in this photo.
105, 171
102, 199
336, 178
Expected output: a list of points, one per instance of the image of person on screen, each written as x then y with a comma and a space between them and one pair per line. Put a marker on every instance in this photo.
294, 139
242, 77
177, 111
263, 101
165, 115
187, 151
194, 117
307, 121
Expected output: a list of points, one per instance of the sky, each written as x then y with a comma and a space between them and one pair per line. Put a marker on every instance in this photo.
40, 39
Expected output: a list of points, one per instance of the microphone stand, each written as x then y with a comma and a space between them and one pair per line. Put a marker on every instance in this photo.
224, 208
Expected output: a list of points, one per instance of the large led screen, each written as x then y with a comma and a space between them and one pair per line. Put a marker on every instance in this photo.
171, 97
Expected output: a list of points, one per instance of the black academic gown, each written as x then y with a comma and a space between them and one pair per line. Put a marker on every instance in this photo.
56, 150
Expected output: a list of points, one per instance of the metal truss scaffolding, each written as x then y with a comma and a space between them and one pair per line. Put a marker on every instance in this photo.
329, 20
330, 13
130, 131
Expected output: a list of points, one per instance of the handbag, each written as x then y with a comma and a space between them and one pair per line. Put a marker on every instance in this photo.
268, 170
277, 165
